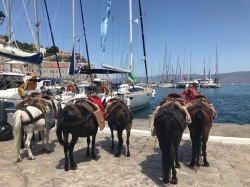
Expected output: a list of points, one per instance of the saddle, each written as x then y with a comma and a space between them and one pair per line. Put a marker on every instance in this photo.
174, 99
30, 101
112, 105
92, 108
200, 101
174, 109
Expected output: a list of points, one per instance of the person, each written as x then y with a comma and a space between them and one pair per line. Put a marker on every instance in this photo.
189, 93
197, 87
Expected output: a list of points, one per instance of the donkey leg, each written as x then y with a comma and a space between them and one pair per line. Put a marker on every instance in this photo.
175, 159
40, 136
112, 138
22, 138
47, 140
88, 142
71, 149
120, 143
193, 154
177, 164
127, 142
66, 149
19, 158
43, 138
27, 145
93, 147
204, 154
33, 136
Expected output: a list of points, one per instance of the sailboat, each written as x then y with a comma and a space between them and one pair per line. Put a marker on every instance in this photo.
215, 83
135, 96
10, 77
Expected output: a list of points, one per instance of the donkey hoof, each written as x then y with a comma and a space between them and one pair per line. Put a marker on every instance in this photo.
93, 156
117, 155
177, 165
19, 159
206, 164
174, 181
32, 158
128, 154
75, 167
191, 165
165, 181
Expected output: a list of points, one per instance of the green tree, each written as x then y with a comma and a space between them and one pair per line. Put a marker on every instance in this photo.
51, 49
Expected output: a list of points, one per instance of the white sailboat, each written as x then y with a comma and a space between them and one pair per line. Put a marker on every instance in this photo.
137, 97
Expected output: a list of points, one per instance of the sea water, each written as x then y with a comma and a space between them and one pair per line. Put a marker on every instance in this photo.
231, 102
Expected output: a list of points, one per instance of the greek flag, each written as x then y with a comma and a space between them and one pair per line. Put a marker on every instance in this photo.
104, 25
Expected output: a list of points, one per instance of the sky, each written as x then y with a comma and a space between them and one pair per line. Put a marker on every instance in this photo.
191, 30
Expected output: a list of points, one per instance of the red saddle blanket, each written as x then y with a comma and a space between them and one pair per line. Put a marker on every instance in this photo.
96, 100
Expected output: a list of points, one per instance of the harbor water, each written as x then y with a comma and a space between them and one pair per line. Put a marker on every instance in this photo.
231, 102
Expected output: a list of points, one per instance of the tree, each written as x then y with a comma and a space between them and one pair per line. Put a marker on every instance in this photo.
51, 49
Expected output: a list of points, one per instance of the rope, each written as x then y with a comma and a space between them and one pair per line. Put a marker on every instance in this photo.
29, 22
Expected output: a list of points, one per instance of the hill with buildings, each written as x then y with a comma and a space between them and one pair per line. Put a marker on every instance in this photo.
240, 77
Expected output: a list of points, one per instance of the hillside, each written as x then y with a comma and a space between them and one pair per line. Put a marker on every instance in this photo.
241, 77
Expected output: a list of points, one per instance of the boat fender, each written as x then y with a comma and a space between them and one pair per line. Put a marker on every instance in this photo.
71, 88
20, 91
127, 101
103, 89
130, 81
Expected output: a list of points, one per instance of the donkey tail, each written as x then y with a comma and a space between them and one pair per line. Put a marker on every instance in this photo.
199, 117
60, 126
167, 151
17, 127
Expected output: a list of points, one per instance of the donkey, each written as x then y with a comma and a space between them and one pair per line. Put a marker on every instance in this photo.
119, 118
30, 117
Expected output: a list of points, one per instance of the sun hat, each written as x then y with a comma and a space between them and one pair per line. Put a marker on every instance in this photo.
196, 82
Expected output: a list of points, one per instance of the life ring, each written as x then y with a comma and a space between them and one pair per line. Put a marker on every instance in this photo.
31, 85
71, 88
105, 88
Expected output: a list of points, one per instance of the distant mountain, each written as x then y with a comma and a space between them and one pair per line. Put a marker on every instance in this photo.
240, 77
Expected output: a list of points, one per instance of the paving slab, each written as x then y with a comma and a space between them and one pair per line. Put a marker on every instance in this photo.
229, 162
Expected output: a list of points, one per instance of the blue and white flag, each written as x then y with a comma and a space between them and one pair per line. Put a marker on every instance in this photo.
104, 25
79, 68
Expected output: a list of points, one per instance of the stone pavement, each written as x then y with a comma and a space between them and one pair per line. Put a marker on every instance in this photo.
229, 163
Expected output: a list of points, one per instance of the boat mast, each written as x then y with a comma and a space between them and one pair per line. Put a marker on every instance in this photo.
37, 28
209, 74
204, 69
73, 31
9, 24
143, 42
216, 66
130, 36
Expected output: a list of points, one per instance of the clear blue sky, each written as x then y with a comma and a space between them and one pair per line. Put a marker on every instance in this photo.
196, 26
